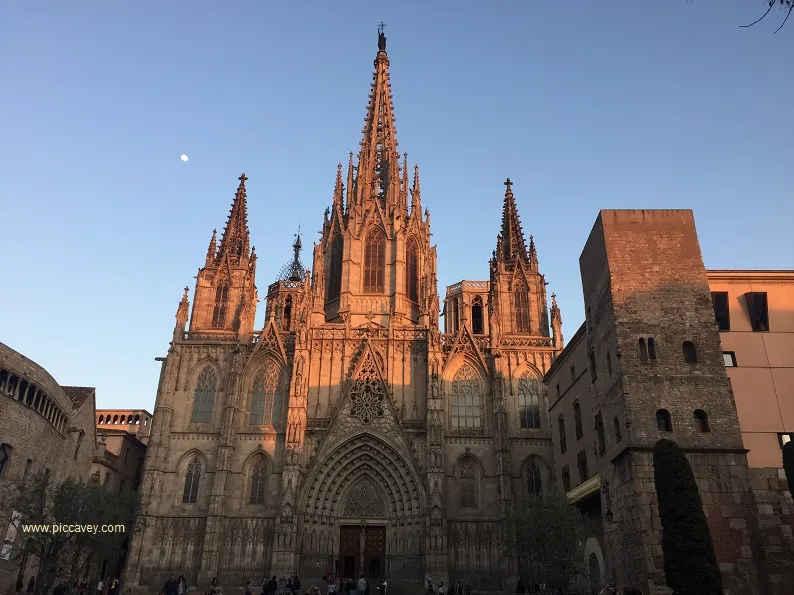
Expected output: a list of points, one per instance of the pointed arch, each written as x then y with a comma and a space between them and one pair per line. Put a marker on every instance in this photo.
468, 472
364, 499
466, 398
536, 475
375, 260
412, 269
221, 301
477, 317
286, 316
334, 283
257, 470
529, 401
267, 397
521, 306
192, 467
204, 395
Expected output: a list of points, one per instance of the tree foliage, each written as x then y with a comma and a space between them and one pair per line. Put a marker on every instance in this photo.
62, 554
544, 533
788, 465
690, 565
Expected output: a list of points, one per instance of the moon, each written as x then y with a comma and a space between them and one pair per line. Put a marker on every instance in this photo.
184, 157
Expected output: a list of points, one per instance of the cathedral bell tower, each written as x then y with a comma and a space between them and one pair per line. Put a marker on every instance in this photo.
374, 260
517, 300
286, 296
225, 297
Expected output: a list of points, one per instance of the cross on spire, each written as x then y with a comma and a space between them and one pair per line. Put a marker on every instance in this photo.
381, 27
243, 178
509, 185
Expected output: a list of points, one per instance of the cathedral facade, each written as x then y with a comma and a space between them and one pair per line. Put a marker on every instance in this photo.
348, 433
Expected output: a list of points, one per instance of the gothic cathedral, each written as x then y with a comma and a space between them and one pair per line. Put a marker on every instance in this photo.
349, 434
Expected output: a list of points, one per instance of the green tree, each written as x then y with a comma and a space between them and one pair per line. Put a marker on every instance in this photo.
544, 534
690, 565
65, 555
788, 465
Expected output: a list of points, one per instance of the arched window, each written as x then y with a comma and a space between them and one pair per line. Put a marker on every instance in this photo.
690, 353
616, 425
375, 261
258, 482
412, 270
534, 480
192, 477
466, 400
529, 402
701, 421
287, 315
266, 397
334, 283
221, 297
663, 421
477, 326
468, 484
643, 352
204, 396
521, 298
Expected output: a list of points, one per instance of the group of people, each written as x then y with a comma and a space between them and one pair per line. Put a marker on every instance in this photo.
76, 587
439, 588
286, 585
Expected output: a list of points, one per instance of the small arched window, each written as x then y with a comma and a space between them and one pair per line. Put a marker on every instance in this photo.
203, 396
258, 482
690, 353
412, 270
287, 315
663, 421
534, 480
701, 421
375, 261
221, 298
334, 283
468, 484
529, 402
101, 420
521, 299
643, 352
477, 326
266, 397
192, 477
616, 425
466, 399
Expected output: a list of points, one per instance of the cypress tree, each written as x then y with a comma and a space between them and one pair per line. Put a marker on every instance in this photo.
690, 565
788, 465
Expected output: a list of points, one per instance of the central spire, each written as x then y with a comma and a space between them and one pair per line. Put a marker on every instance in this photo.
511, 241
235, 238
379, 161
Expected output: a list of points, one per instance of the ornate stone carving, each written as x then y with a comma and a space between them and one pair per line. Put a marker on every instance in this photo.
367, 394
364, 501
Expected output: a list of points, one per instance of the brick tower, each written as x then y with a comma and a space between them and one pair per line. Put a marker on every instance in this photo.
657, 372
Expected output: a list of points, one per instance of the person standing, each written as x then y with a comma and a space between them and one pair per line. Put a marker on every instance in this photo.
170, 586
362, 585
100, 587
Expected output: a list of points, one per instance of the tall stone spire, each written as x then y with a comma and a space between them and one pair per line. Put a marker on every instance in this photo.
379, 161
235, 239
511, 245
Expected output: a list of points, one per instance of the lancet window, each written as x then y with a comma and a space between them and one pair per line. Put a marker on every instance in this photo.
204, 396
375, 261
221, 298
259, 478
529, 402
192, 477
466, 399
266, 397
334, 285
521, 299
468, 483
412, 270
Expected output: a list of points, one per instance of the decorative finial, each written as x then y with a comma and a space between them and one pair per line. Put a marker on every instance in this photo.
381, 38
242, 179
186, 291
509, 185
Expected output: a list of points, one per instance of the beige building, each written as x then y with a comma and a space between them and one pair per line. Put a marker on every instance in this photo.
123, 433
637, 371
347, 433
44, 427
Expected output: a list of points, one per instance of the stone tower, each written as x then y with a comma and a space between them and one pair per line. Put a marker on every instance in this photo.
657, 371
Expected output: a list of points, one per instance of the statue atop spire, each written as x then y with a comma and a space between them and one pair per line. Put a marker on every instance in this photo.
381, 38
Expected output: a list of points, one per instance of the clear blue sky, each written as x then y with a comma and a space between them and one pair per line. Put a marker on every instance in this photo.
585, 105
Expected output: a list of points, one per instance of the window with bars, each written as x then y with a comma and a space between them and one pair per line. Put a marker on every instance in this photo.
529, 402
221, 298
412, 270
266, 397
375, 261
521, 299
466, 399
204, 396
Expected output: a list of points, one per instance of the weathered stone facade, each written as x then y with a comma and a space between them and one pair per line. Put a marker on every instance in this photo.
44, 427
349, 434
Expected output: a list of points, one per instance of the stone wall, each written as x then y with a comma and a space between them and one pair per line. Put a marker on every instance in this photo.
775, 517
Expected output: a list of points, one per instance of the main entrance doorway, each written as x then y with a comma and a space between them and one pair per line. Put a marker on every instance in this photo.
362, 550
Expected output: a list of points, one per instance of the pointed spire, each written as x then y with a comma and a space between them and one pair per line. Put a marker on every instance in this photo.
294, 270
338, 189
213, 247
379, 160
416, 193
510, 243
235, 239
182, 311
404, 192
533, 253
556, 323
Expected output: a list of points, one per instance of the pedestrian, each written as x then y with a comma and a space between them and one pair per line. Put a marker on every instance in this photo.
362, 585
170, 586
31, 584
